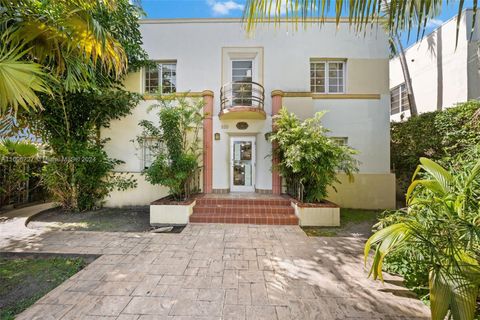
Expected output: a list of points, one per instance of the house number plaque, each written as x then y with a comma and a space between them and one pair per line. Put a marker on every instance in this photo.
242, 125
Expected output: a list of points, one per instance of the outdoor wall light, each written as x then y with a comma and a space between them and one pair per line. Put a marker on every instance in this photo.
217, 136
267, 136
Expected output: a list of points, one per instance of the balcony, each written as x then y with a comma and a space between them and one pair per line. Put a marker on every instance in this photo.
242, 100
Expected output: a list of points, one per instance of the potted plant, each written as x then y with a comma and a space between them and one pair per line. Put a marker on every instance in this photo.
309, 162
175, 164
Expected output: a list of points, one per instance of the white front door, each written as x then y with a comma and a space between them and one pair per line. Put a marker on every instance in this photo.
242, 164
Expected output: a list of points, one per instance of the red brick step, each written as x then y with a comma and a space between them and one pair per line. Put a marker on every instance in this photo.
275, 210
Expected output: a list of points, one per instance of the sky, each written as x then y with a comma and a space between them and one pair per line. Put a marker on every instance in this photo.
234, 9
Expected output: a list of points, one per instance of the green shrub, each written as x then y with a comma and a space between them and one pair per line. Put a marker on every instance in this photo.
438, 135
79, 172
308, 156
14, 159
85, 178
177, 148
458, 128
438, 234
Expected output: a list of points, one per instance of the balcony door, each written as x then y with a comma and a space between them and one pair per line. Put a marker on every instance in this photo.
243, 73
242, 164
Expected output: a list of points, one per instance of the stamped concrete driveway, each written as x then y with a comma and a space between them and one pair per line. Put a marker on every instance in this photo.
215, 271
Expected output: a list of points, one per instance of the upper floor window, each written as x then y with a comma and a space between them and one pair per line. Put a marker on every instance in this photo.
161, 78
341, 141
399, 99
327, 76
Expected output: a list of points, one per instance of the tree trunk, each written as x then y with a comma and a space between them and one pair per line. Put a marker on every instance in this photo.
406, 76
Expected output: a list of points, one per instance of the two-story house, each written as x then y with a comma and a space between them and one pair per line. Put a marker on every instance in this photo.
244, 81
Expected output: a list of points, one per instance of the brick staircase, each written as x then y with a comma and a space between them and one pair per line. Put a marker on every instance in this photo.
273, 210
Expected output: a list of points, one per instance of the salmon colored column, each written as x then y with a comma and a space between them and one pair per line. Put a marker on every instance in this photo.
277, 96
207, 141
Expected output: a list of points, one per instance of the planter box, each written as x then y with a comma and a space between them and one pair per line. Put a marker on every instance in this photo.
317, 214
166, 212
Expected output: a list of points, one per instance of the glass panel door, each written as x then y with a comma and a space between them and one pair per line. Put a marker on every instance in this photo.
242, 76
242, 164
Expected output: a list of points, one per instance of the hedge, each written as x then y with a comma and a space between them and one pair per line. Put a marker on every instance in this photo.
438, 135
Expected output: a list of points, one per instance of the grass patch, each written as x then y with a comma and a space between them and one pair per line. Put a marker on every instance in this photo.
352, 222
23, 280
348, 216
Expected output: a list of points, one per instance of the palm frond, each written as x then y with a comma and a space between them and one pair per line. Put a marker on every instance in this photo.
396, 15
442, 176
385, 240
431, 185
20, 81
75, 33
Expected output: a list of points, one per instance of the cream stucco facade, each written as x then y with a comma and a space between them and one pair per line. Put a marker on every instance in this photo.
203, 51
443, 72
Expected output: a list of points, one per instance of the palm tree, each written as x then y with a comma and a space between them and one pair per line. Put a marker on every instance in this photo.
397, 45
441, 229
57, 37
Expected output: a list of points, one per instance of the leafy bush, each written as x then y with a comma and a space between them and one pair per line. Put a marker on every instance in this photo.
308, 156
85, 178
413, 271
177, 150
458, 128
79, 173
438, 135
14, 158
438, 233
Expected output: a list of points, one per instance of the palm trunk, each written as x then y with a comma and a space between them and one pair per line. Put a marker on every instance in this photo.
406, 76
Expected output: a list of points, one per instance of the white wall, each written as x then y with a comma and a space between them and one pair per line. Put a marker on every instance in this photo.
366, 124
437, 68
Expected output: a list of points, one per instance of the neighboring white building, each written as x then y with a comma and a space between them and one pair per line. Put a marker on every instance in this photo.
320, 68
442, 73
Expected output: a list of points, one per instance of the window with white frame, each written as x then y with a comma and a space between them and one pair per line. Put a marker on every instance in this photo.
150, 149
327, 76
161, 78
399, 99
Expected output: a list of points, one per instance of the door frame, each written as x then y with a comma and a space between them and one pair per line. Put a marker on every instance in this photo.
252, 139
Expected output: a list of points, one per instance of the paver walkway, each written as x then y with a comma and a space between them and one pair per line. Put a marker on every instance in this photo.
215, 271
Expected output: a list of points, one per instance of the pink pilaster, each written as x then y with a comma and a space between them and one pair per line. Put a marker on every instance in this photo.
207, 141
277, 96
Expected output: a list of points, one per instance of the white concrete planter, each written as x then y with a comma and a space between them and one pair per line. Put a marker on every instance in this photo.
163, 213
327, 215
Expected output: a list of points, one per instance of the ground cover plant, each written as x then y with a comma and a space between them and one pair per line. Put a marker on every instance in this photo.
307, 156
23, 280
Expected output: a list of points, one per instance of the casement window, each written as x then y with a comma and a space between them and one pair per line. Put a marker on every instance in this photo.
341, 141
399, 99
327, 76
150, 149
161, 78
